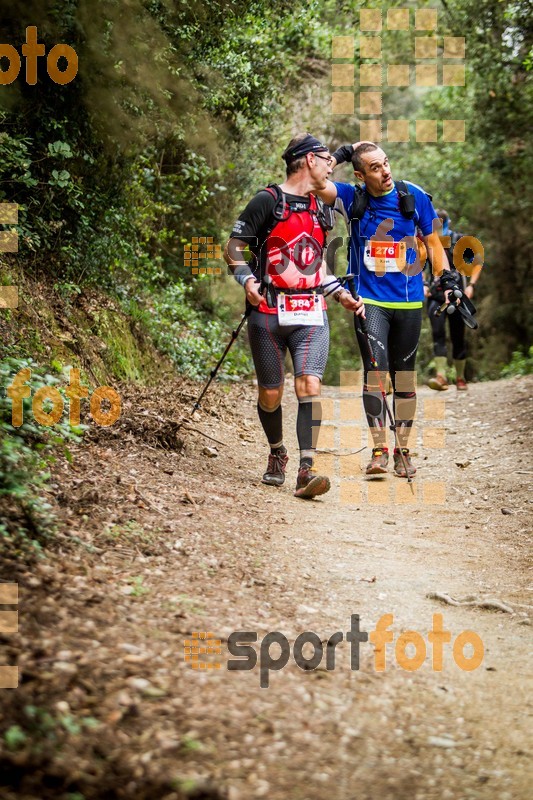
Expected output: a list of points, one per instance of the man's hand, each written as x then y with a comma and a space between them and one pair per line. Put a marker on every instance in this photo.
342, 155
252, 292
449, 298
357, 306
427, 293
356, 144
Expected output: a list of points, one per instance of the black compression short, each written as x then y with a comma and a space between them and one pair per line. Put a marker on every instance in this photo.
307, 344
394, 335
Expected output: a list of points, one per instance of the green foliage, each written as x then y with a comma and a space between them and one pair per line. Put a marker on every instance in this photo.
193, 342
120, 166
41, 726
521, 364
137, 587
27, 451
15, 738
132, 533
154, 142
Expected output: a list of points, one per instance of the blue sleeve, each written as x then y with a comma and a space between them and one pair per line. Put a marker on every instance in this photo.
425, 210
346, 194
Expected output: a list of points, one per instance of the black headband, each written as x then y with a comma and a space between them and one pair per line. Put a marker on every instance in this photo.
307, 145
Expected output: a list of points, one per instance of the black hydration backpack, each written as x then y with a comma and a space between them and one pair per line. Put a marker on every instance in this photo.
281, 212
407, 201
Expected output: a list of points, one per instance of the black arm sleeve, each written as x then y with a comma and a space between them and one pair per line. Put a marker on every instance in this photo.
344, 153
255, 218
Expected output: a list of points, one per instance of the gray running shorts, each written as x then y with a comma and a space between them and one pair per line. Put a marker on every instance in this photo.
308, 346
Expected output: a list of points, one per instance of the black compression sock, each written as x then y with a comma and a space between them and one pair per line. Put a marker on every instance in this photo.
272, 422
308, 426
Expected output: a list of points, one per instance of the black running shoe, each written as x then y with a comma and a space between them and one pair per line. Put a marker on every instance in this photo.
275, 471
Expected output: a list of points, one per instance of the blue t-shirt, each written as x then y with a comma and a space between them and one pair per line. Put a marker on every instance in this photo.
387, 274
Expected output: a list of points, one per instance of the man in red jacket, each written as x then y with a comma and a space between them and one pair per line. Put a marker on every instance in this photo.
284, 228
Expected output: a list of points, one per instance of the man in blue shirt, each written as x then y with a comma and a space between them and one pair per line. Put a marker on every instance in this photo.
383, 259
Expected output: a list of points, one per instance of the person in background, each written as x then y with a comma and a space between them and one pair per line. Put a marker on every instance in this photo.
435, 298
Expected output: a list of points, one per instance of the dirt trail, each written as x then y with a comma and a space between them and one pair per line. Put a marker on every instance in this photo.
158, 544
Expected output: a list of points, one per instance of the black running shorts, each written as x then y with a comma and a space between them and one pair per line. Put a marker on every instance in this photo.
307, 344
394, 335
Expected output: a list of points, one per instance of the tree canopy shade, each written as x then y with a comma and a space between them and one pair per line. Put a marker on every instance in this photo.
177, 110
486, 183
116, 167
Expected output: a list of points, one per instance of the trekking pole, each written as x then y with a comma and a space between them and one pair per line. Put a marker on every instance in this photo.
463, 305
214, 371
361, 322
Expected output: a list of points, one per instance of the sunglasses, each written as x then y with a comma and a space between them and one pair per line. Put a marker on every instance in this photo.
325, 158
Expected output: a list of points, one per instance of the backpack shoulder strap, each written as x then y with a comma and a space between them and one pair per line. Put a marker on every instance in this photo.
406, 200
281, 210
359, 204
325, 215
276, 216
402, 187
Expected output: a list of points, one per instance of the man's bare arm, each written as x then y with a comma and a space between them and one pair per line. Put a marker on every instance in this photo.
327, 195
437, 254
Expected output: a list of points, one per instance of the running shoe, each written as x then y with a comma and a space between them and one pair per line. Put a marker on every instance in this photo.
399, 468
439, 383
461, 385
275, 471
309, 485
380, 459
